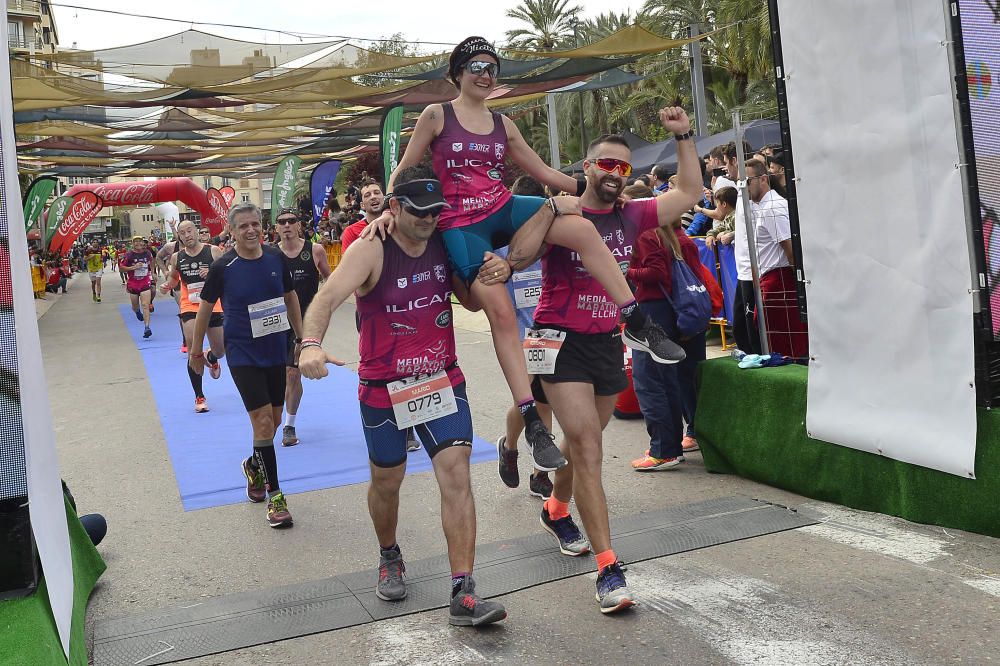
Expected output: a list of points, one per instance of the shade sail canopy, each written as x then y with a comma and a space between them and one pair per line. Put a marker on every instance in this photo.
197, 103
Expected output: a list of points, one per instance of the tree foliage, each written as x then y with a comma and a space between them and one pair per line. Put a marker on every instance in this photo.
549, 24
737, 68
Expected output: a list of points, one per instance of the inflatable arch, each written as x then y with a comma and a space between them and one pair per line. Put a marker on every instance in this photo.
211, 205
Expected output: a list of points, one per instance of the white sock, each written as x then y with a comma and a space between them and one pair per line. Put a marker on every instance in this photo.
290, 420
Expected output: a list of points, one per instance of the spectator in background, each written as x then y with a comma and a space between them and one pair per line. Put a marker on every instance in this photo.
372, 202
786, 334
637, 190
56, 278
666, 393
658, 178
745, 301
641, 180
776, 169
716, 165
725, 215
702, 223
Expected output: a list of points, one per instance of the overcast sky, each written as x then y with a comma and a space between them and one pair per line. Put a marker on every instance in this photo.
451, 20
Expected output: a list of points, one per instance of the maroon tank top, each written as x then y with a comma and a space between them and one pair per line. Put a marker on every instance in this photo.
471, 169
406, 321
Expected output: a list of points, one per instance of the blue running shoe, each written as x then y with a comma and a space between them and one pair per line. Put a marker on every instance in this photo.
612, 590
571, 541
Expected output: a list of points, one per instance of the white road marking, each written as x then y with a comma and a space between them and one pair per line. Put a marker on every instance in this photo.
751, 622
987, 584
402, 641
876, 533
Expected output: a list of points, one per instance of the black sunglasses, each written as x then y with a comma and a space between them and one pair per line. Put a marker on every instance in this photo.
479, 67
286, 220
416, 212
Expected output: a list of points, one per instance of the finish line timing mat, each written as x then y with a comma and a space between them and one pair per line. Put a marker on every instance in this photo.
209, 626
206, 450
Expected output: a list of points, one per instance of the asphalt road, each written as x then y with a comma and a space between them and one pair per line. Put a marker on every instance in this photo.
858, 588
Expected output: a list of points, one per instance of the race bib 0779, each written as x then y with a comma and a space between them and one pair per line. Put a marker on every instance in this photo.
417, 400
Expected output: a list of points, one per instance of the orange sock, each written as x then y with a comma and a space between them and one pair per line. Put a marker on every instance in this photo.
605, 559
556, 508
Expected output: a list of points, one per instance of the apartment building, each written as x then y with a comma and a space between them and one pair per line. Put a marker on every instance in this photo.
31, 28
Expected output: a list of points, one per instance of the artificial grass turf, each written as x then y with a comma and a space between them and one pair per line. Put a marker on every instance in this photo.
752, 423
27, 629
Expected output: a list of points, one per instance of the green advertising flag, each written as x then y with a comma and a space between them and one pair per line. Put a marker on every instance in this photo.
283, 187
57, 213
39, 192
390, 139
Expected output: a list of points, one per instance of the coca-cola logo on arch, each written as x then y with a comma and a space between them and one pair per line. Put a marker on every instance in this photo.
81, 212
130, 195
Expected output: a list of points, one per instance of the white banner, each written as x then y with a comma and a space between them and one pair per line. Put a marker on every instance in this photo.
45, 496
882, 218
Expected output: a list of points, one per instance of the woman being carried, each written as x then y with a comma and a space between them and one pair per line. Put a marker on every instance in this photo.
468, 144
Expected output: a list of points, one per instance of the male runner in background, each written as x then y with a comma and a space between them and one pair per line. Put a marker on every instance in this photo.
95, 267
254, 283
403, 291
162, 259
309, 264
188, 269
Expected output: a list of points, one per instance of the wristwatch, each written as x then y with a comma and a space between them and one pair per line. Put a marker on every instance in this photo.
683, 137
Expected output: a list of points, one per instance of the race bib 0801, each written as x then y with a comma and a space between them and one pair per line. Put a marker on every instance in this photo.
541, 348
268, 317
417, 400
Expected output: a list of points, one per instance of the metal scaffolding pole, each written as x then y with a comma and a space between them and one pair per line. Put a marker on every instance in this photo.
698, 83
583, 121
750, 229
550, 110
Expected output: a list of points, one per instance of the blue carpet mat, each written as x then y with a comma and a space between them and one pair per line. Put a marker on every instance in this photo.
206, 449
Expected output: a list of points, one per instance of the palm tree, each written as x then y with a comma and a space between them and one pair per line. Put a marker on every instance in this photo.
737, 61
551, 24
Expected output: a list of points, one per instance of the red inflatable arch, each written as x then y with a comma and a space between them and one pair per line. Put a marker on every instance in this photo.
212, 209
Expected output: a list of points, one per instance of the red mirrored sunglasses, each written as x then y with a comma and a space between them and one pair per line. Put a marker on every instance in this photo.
611, 165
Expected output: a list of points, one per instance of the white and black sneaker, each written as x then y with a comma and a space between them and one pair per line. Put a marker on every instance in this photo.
654, 341
412, 443
546, 455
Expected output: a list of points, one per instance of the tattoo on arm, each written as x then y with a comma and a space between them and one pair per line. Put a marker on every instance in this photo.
433, 115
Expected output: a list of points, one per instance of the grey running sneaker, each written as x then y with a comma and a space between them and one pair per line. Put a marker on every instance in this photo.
390, 576
469, 610
544, 452
507, 465
288, 436
652, 340
571, 541
255, 481
539, 485
612, 590
412, 443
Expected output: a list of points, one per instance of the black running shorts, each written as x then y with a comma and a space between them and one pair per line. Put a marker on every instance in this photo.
214, 322
597, 359
259, 386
